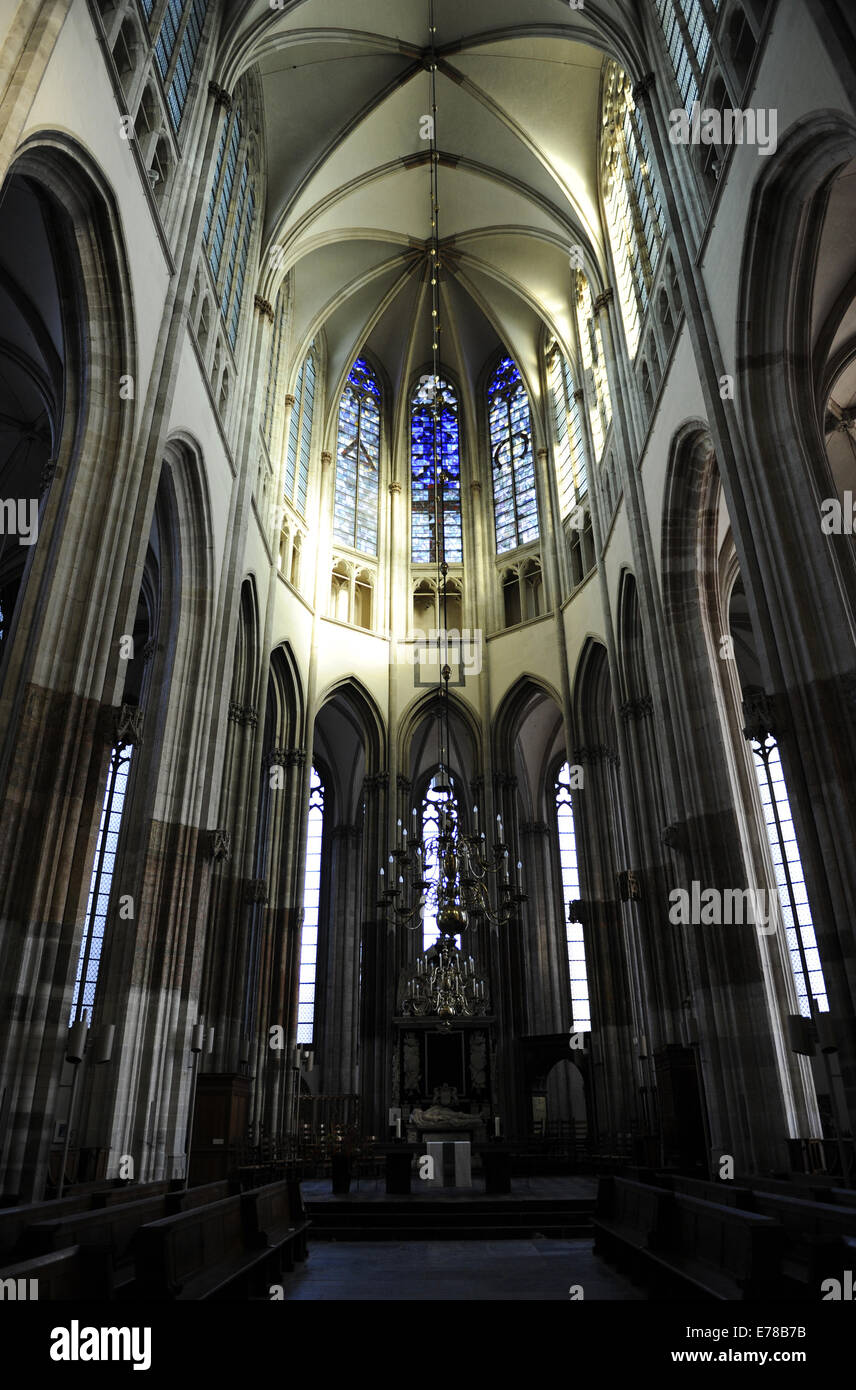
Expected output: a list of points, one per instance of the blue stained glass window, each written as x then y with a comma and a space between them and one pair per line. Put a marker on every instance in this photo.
242, 268
168, 35
180, 84
434, 427
299, 448
357, 461
218, 235
514, 499
100, 884
233, 246
308, 406
685, 28
212, 197
293, 437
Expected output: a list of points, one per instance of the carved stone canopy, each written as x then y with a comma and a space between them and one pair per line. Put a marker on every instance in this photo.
128, 722
219, 846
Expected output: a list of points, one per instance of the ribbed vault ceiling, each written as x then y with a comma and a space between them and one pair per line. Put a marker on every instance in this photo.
345, 87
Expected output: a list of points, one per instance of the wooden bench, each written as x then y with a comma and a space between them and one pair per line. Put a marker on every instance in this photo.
722, 1252
14, 1221
113, 1229
630, 1219
680, 1243
63, 1274
225, 1249
276, 1218
199, 1254
724, 1194
814, 1236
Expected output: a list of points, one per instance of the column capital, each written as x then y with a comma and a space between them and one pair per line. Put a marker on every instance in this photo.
394, 489
604, 300
326, 458
643, 87
289, 401
636, 708
220, 96
243, 715
264, 307
543, 453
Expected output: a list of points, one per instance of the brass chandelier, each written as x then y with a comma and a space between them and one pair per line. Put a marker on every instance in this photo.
445, 873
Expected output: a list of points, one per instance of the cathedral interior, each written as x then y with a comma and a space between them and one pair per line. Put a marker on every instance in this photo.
427, 642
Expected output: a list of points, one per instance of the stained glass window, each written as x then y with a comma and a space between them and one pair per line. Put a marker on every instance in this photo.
274, 363
230, 215
357, 461
570, 458
100, 884
514, 500
594, 364
433, 801
688, 42
216, 225
580, 1006
790, 878
311, 903
183, 71
299, 447
434, 428
181, 28
632, 199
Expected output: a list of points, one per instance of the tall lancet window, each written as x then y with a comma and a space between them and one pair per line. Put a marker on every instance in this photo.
515, 503
299, 449
580, 1006
594, 365
176, 49
434, 431
229, 220
632, 199
311, 902
688, 42
358, 461
570, 458
790, 878
434, 805
100, 884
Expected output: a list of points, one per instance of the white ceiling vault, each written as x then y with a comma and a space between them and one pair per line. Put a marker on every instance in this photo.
345, 87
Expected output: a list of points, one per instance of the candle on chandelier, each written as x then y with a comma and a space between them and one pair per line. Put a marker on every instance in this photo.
499, 827
496, 1126
476, 819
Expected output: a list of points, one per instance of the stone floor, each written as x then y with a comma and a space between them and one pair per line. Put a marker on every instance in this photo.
509, 1270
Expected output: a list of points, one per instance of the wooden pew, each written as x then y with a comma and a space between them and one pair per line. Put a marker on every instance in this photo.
814, 1235
113, 1229
276, 1217
722, 1252
199, 1254
630, 1219
63, 1274
680, 1244
223, 1249
15, 1220
724, 1194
